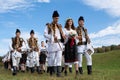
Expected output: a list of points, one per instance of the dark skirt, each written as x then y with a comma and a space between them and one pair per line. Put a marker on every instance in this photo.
70, 52
23, 59
42, 58
6, 65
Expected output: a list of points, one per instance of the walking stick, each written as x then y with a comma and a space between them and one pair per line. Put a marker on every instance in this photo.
59, 45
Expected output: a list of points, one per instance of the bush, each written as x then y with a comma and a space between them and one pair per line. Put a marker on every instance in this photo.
113, 47
107, 49
0, 59
100, 50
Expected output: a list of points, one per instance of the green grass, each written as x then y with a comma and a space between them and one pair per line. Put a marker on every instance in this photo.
106, 66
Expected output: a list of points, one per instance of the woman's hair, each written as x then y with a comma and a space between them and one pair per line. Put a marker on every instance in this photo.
42, 41
67, 25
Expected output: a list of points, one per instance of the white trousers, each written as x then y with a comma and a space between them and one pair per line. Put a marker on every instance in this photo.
82, 51
32, 59
88, 59
55, 58
70, 66
47, 61
16, 58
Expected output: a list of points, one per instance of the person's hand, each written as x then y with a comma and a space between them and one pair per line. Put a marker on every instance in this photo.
18, 49
64, 36
87, 37
78, 37
12, 51
55, 38
31, 49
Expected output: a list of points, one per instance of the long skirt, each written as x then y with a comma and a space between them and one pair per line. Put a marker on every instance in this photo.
23, 59
70, 51
43, 58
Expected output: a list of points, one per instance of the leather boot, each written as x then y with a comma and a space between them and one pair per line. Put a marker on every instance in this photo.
14, 71
89, 68
70, 69
80, 70
59, 71
38, 70
32, 70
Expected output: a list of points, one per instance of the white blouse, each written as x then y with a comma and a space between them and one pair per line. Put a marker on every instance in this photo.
68, 32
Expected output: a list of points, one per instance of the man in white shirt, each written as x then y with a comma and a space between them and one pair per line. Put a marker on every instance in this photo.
16, 49
53, 33
83, 41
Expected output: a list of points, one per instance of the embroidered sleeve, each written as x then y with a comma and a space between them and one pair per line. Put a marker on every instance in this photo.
46, 31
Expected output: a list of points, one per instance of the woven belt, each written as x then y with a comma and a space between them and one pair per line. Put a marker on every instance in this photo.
83, 43
59, 40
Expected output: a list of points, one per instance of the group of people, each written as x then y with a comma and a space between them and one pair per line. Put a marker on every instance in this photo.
25, 56
65, 47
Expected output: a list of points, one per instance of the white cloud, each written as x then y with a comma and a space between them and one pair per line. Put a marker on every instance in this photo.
112, 7
106, 41
110, 30
3, 52
47, 1
10, 5
9, 24
4, 46
107, 36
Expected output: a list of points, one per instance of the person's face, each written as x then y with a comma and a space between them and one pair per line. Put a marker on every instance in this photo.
81, 23
42, 43
32, 35
70, 22
55, 19
18, 34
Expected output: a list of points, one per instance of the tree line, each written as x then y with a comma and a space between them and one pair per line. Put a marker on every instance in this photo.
107, 48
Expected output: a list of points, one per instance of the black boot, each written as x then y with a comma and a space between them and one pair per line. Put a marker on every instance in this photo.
70, 69
14, 71
65, 72
27, 69
32, 70
51, 71
38, 70
55, 69
89, 68
48, 69
62, 69
59, 71
80, 70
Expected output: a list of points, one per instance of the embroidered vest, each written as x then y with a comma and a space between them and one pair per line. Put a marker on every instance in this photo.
79, 32
17, 42
52, 27
33, 43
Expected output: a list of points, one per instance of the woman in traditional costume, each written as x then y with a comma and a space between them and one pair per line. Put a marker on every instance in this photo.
70, 45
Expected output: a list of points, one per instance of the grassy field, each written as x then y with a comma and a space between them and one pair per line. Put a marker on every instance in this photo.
106, 66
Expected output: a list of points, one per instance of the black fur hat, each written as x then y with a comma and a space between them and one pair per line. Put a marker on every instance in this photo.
81, 18
55, 14
18, 31
32, 32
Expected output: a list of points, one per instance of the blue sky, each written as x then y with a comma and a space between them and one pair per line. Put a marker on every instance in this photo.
101, 20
